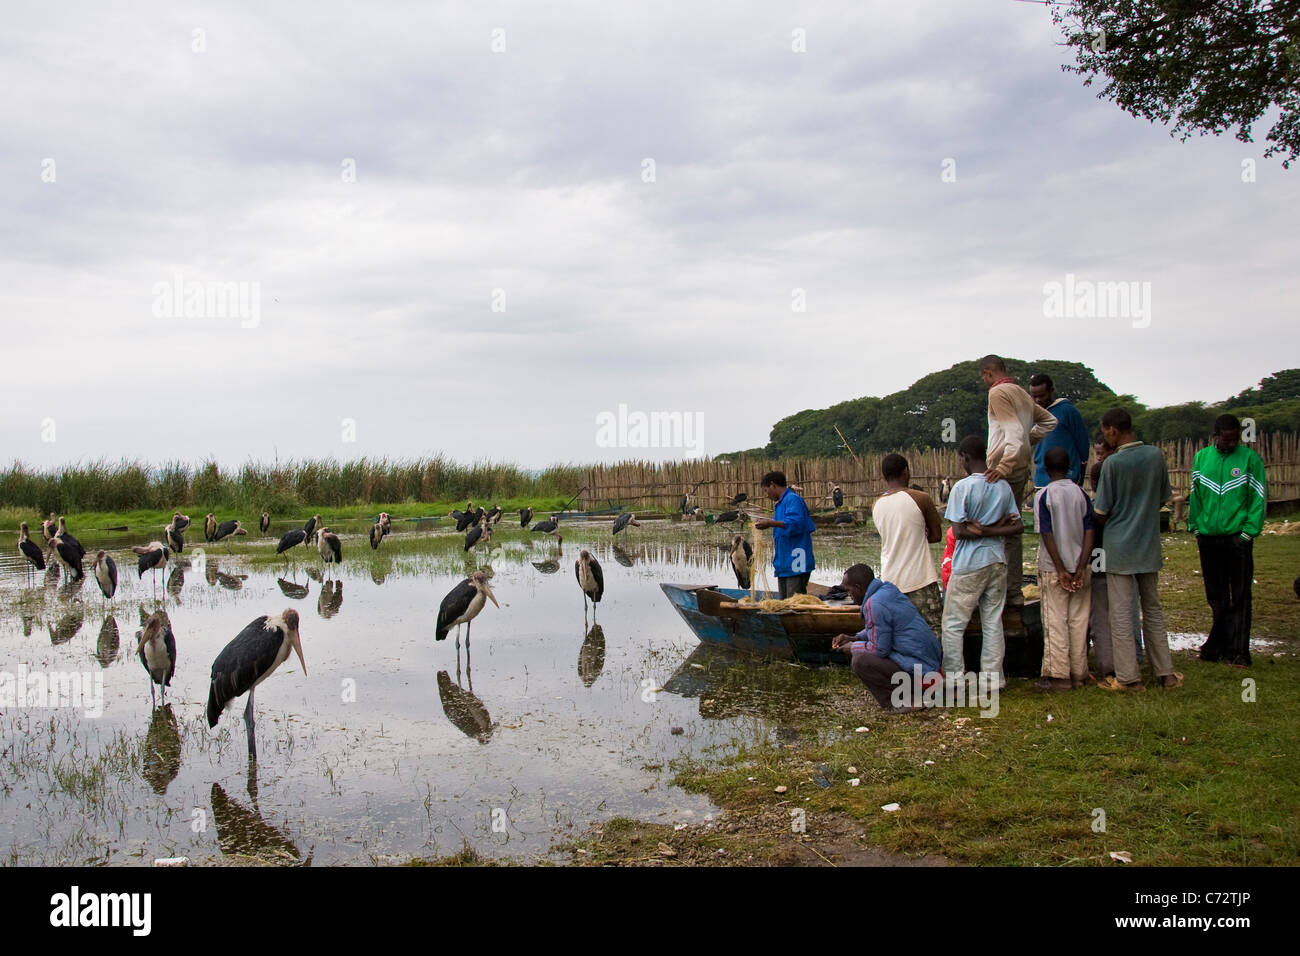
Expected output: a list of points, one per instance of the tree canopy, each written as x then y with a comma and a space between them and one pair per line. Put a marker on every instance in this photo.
1200, 66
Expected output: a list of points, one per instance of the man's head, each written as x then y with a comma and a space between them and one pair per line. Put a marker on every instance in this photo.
856, 580
971, 453
1117, 427
1041, 390
894, 469
1227, 433
773, 484
1056, 461
992, 368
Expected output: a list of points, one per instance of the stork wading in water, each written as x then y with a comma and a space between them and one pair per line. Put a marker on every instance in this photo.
291, 540
105, 571
68, 556
157, 649
173, 538
331, 551
249, 659
180, 521
525, 516
494, 514
264, 523
228, 529
591, 579
66, 537
30, 550
625, 519
153, 558
49, 528
742, 560
481, 533
209, 527
312, 528
380, 529
548, 527
462, 604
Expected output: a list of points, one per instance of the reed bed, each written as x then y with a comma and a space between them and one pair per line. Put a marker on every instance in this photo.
101, 486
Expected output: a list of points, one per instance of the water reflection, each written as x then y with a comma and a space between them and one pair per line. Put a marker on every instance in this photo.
732, 684
463, 709
175, 582
330, 600
161, 760
110, 639
242, 831
293, 590
622, 557
591, 656
67, 626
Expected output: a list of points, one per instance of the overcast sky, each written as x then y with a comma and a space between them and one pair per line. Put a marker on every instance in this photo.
222, 156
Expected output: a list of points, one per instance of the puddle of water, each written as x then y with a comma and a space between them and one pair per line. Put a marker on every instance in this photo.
393, 745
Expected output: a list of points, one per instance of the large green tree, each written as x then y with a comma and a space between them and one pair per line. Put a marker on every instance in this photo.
1199, 66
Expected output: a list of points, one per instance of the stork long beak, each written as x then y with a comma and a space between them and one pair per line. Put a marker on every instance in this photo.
492, 597
296, 642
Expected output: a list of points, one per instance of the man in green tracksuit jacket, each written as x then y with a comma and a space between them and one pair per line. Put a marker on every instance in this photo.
1226, 511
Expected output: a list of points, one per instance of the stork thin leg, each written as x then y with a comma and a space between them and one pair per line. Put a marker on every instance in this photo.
153, 701
468, 625
248, 722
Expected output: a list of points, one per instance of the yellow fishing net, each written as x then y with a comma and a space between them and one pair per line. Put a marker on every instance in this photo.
783, 604
758, 565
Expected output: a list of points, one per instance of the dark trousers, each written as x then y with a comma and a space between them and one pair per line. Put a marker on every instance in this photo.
876, 672
798, 584
1227, 565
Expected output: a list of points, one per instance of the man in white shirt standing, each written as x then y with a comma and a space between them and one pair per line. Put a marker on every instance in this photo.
1016, 424
909, 523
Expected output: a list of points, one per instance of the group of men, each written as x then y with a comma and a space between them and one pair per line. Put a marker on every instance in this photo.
1099, 558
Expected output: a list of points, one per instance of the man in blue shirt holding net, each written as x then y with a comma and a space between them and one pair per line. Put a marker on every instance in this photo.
792, 528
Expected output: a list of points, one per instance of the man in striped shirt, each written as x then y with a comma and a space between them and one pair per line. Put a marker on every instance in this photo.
1226, 513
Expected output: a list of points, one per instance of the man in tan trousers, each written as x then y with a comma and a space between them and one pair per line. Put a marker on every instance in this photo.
1016, 423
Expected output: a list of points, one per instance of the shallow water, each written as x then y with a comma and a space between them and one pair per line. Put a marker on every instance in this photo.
392, 745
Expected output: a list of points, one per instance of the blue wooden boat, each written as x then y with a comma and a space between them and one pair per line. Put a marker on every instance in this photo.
804, 634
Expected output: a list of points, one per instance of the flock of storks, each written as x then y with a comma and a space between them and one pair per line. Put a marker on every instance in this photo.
267, 642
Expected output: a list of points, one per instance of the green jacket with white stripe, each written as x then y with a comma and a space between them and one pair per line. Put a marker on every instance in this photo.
1228, 494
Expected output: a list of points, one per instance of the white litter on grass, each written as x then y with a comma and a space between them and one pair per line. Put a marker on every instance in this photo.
679, 826
854, 782
862, 730
1121, 856
1187, 641
853, 770
929, 763
1049, 718
891, 808
172, 861
781, 789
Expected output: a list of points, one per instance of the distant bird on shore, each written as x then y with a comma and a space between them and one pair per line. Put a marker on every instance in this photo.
331, 551
547, 527
105, 571
180, 521
590, 578
68, 539
173, 538
738, 499
379, 530
466, 519
264, 523
945, 489
30, 550
625, 519
685, 504
49, 528
312, 528
481, 533
228, 528
742, 557
209, 527
68, 556
726, 516
249, 659
291, 539
494, 514
525, 516
152, 557
837, 496
462, 604
157, 650
845, 518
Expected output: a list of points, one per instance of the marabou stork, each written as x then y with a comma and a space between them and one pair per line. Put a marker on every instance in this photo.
685, 504
376, 535
153, 557
226, 529
264, 524
209, 527
49, 528
738, 499
945, 489
742, 557
494, 514
466, 519
331, 551
837, 497
726, 516
481, 533
625, 519
68, 539
172, 535
525, 516
157, 649
845, 518
462, 604
180, 521
311, 528
590, 578
69, 556
105, 569
547, 527
291, 539
29, 550
249, 659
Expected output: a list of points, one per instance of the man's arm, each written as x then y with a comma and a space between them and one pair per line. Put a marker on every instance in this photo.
933, 523
1257, 482
1044, 422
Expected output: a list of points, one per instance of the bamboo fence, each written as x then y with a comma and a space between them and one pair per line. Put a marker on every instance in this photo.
650, 486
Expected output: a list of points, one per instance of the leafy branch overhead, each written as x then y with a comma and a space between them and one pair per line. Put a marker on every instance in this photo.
1200, 66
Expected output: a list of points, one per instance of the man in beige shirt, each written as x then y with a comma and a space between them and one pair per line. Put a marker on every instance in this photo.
1016, 424
909, 523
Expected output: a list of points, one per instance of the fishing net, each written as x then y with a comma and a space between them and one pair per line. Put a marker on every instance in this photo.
758, 564
783, 604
